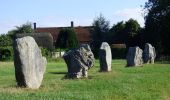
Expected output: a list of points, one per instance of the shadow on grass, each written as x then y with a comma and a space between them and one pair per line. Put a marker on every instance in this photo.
67, 77
58, 72
162, 62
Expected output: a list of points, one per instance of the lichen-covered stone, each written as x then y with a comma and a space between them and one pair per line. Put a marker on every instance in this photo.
134, 57
149, 54
105, 57
79, 61
29, 63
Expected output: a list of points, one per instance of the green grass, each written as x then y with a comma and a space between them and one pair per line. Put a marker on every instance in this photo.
150, 82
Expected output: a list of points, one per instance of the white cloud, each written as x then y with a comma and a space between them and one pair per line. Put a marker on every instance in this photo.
126, 14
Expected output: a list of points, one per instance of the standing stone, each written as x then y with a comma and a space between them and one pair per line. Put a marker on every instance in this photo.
79, 61
134, 56
29, 63
149, 54
105, 57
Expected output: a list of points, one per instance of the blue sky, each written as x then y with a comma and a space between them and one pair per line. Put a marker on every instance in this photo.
53, 13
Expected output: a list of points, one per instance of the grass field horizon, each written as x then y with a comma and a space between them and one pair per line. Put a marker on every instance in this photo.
150, 82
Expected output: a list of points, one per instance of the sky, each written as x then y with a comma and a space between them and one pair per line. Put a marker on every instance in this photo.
59, 13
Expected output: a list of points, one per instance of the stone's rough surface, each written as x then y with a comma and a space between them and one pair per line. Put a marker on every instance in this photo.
105, 56
149, 54
134, 56
29, 63
79, 61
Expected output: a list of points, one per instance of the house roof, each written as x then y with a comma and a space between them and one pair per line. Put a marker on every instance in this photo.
82, 32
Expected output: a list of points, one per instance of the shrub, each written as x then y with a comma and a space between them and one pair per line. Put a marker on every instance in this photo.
6, 53
5, 40
67, 39
46, 52
118, 53
44, 40
60, 59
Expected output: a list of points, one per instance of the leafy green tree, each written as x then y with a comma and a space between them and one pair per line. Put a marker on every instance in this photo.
62, 39
126, 32
67, 39
157, 24
118, 28
72, 39
117, 33
132, 29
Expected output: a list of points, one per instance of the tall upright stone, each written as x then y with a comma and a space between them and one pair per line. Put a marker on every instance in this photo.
29, 63
79, 61
134, 57
149, 54
105, 57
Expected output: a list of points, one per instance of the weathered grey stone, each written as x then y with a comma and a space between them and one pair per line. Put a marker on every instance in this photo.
29, 63
134, 56
149, 54
105, 57
79, 61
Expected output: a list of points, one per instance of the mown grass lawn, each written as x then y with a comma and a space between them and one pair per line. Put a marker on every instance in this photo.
150, 82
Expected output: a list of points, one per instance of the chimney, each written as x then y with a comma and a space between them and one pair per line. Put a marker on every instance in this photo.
35, 26
72, 24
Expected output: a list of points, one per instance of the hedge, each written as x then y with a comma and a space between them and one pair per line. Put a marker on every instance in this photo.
6, 53
44, 40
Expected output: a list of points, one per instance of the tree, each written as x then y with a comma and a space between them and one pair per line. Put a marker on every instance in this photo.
67, 39
72, 39
132, 29
100, 33
100, 30
117, 32
157, 24
118, 28
125, 32
61, 40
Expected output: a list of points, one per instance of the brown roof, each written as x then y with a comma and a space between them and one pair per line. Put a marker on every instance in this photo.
83, 33
118, 46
